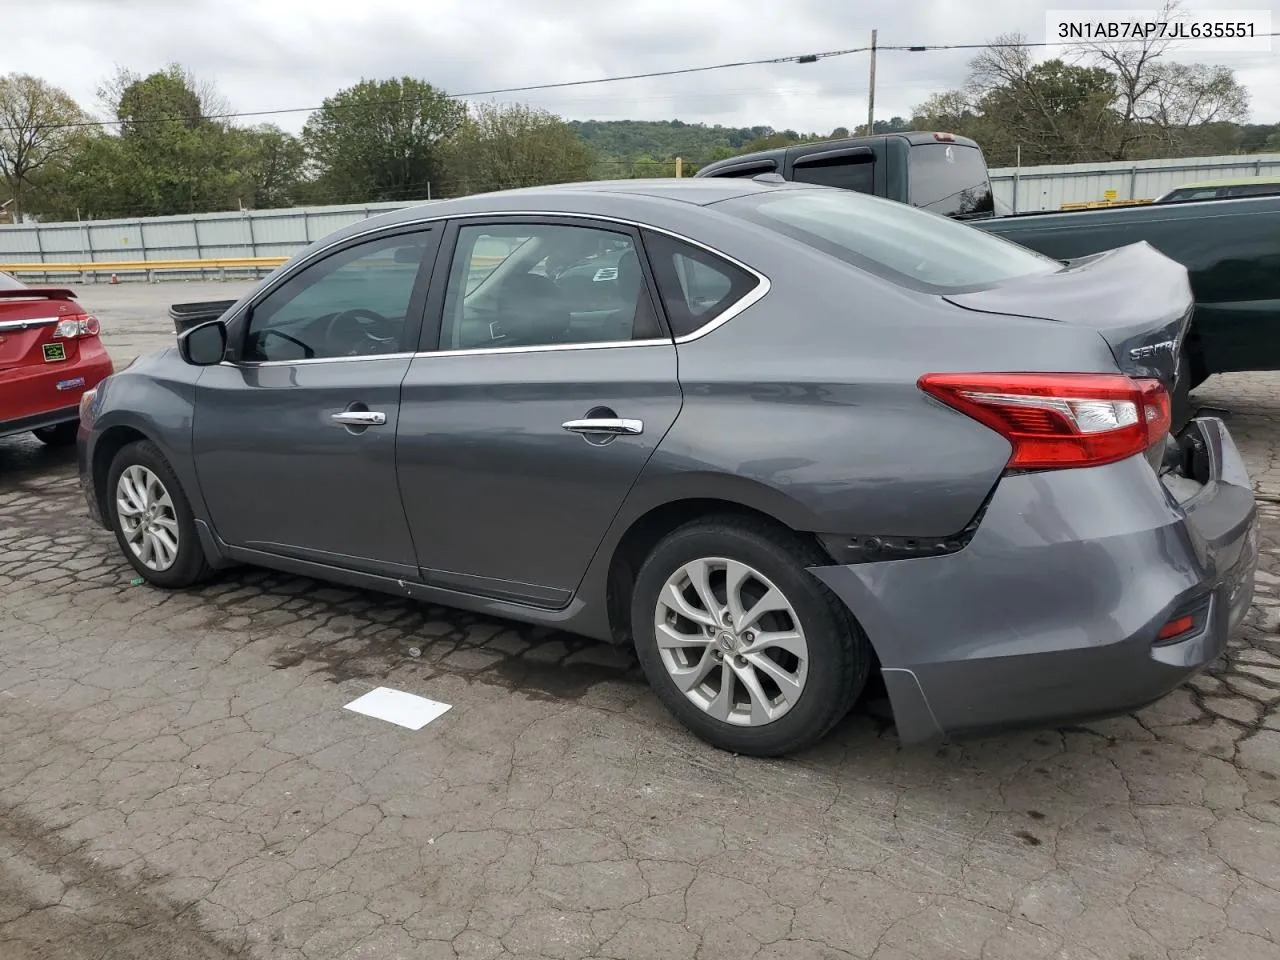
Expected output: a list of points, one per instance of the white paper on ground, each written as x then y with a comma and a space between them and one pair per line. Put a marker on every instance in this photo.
396, 706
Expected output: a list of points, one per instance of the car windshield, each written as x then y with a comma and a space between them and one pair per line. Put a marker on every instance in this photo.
913, 248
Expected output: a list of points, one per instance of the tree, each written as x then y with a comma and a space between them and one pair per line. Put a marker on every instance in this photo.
500, 146
174, 152
1104, 101
381, 140
274, 164
36, 132
1193, 108
1055, 111
892, 125
772, 141
650, 168
1159, 104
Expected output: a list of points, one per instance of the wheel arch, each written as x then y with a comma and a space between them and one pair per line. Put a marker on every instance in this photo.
655, 516
108, 444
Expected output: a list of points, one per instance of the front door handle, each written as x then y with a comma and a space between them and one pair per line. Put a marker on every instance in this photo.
609, 425
359, 418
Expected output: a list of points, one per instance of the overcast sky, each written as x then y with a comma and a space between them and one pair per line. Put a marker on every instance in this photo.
272, 54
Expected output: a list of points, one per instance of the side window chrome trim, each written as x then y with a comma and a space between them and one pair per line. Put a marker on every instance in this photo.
478, 352
254, 364
758, 293
750, 299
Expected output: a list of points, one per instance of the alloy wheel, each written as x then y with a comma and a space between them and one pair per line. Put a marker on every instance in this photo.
147, 518
731, 641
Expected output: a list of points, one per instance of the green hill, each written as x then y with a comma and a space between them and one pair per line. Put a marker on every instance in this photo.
639, 147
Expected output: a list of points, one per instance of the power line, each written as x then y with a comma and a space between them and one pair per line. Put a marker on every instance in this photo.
804, 58
559, 85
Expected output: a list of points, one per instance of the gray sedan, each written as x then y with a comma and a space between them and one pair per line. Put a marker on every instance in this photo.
793, 438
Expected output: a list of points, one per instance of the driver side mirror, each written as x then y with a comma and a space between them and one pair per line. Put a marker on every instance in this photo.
205, 345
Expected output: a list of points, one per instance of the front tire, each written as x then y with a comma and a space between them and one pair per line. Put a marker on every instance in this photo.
749, 651
59, 435
152, 518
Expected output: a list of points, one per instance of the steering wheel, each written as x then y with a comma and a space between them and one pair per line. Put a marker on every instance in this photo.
353, 332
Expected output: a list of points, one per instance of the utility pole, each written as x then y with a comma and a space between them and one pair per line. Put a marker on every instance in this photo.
871, 89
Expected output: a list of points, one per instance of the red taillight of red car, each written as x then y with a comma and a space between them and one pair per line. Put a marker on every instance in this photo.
73, 327
1056, 420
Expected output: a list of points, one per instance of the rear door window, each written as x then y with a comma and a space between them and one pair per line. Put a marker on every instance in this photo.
950, 179
844, 172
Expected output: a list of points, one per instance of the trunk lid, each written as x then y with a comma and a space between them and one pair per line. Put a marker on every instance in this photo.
28, 319
1137, 299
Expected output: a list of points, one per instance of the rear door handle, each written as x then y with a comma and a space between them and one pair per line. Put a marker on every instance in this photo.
359, 418
608, 425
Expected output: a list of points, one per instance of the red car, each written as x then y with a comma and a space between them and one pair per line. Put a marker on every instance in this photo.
50, 355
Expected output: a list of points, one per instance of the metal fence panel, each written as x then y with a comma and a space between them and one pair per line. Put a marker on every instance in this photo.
62, 241
1048, 187
282, 233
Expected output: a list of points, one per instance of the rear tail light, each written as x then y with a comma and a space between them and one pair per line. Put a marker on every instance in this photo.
77, 327
1056, 420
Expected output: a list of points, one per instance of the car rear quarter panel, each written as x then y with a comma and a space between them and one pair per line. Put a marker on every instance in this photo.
805, 406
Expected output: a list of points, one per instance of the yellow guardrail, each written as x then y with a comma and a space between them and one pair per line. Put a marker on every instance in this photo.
1096, 204
139, 266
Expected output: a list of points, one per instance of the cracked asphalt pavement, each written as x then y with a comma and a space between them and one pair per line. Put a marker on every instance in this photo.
179, 779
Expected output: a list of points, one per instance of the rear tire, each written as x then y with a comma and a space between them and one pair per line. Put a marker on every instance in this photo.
792, 673
152, 518
59, 435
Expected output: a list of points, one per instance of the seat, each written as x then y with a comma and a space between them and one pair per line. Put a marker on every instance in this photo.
533, 311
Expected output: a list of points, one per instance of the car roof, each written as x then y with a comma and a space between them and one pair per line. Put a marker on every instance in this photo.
683, 189
625, 199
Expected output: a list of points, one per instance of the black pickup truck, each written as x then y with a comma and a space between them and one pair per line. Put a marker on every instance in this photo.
1231, 248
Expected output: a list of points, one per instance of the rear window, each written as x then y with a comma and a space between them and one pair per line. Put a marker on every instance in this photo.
8, 282
915, 249
950, 179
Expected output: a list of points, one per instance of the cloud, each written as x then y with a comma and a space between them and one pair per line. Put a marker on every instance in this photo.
273, 54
